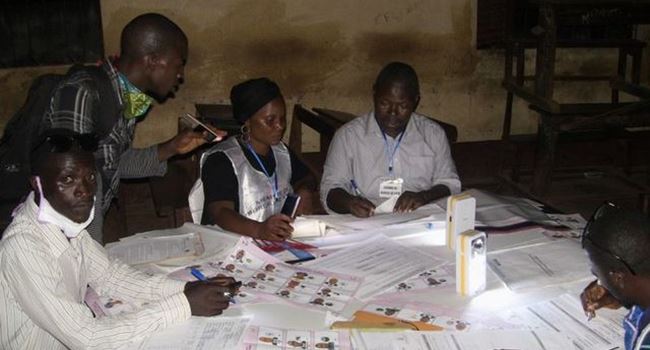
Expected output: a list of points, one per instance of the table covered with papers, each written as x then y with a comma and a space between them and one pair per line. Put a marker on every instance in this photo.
392, 273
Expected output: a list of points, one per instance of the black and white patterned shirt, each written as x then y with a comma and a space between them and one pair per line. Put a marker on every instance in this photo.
75, 104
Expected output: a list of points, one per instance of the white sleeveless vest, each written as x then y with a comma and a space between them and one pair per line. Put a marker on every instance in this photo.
256, 200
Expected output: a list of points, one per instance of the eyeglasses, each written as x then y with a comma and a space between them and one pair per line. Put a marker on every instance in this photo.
604, 208
63, 143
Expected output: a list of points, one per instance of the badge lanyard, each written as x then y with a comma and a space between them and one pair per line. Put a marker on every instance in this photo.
391, 156
274, 182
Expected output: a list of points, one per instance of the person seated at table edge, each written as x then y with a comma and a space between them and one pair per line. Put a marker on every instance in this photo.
390, 151
246, 179
48, 260
618, 244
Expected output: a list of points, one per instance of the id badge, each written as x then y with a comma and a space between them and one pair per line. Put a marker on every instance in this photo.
390, 187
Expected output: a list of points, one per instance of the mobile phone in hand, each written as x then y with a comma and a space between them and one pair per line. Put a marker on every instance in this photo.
199, 126
291, 205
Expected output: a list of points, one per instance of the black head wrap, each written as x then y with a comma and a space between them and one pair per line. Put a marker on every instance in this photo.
248, 97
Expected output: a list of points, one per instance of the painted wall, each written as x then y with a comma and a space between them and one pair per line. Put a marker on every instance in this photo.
327, 54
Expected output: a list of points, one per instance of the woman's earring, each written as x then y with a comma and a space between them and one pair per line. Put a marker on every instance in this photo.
245, 133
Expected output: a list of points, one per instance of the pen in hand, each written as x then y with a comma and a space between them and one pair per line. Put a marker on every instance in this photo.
590, 315
201, 277
355, 188
359, 195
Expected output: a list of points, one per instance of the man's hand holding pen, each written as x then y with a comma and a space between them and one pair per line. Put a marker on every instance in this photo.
594, 297
359, 206
210, 296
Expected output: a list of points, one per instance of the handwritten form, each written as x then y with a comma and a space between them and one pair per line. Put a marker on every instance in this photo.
382, 261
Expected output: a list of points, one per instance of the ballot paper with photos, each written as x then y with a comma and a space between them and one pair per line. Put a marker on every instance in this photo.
265, 278
261, 337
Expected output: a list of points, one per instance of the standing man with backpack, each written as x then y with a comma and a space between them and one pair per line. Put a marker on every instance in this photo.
150, 66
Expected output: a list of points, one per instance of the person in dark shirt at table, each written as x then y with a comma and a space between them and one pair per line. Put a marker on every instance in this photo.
246, 179
618, 244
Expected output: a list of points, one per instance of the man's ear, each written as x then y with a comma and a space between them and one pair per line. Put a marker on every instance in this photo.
151, 61
33, 183
618, 279
417, 102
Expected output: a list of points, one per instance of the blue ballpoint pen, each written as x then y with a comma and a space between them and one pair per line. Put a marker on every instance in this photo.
201, 277
355, 188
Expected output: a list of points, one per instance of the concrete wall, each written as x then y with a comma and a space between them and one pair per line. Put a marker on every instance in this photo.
327, 53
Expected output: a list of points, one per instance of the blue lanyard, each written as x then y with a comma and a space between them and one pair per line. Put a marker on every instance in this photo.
274, 183
391, 156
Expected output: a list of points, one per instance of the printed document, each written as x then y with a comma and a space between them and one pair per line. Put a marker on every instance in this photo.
200, 333
151, 249
472, 340
382, 261
564, 314
541, 265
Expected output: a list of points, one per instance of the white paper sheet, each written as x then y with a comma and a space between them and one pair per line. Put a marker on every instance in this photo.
387, 205
540, 265
200, 333
564, 314
307, 227
382, 261
473, 340
150, 249
377, 221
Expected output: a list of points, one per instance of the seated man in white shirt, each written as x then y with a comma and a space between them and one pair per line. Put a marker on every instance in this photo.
391, 151
48, 260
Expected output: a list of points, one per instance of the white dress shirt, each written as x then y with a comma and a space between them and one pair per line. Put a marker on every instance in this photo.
358, 151
44, 277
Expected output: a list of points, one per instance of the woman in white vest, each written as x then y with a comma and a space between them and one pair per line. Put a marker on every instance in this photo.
245, 179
